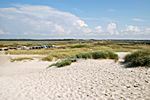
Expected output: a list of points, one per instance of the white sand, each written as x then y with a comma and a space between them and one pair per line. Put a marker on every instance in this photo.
83, 80
8, 68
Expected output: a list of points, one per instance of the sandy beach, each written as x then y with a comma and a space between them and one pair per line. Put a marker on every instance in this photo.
83, 80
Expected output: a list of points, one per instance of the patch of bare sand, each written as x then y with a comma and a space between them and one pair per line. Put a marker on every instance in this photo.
8, 68
83, 80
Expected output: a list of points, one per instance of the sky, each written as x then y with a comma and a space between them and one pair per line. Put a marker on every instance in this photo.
74, 19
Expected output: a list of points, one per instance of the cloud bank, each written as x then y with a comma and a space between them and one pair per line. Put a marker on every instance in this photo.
28, 21
39, 20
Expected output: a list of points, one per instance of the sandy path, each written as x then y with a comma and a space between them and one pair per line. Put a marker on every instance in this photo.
121, 55
84, 80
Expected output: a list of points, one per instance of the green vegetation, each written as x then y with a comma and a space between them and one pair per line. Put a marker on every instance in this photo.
87, 47
84, 55
21, 59
104, 55
98, 55
138, 58
79, 46
63, 63
87, 55
63, 53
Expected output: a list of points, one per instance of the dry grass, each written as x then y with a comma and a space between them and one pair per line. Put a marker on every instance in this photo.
21, 59
74, 47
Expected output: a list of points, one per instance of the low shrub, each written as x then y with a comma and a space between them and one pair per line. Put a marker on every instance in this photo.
47, 58
99, 54
104, 55
138, 58
112, 55
84, 55
63, 63
79, 46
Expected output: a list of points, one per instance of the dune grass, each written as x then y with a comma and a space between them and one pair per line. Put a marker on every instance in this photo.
98, 55
87, 55
82, 47
63, 63
63, 53
73, 48
21, 59
138, 58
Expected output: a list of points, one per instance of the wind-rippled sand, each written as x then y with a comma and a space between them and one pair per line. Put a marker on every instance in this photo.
83, 80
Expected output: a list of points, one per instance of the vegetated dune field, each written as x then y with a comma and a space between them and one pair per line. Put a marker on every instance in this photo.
98, 73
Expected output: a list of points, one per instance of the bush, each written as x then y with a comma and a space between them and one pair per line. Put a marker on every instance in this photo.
79, 46
104, 55
139, 58
47, 58
99, 54
84, 55
63, 63
112, 55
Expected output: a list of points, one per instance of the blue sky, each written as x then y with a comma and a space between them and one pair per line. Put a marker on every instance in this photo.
127, 19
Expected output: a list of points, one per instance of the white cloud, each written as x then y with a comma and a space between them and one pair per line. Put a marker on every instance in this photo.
112, 28
132, 29
59, 28
80, 23
87, 30
27, 19
47, 22
98, 29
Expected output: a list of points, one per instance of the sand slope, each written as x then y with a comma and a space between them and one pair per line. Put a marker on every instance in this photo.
8, 68
84, 80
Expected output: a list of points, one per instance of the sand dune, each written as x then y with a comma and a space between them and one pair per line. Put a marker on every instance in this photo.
83, 80
8, 68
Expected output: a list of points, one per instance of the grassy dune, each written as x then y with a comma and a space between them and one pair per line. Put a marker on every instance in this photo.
138, 58
87, 55
73, 47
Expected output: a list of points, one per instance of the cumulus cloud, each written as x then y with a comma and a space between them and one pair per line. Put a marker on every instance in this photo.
132, 29
112, 28
98, 29
80, 23
27, 19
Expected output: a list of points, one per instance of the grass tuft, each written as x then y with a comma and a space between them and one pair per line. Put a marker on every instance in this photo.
84, 55
21, 59
138, 58
63, 63
98, 55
